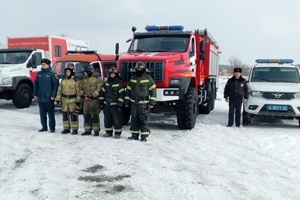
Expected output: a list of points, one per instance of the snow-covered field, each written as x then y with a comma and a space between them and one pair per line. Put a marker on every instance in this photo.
211, 161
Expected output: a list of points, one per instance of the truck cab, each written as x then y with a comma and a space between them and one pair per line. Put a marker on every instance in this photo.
18, 70
274, 87
101, 63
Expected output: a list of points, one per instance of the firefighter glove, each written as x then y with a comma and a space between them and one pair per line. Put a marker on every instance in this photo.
78, 104
119, 108
58, 103
101, 105
77, 110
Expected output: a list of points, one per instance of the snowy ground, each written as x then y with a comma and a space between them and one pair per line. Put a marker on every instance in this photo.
209, 162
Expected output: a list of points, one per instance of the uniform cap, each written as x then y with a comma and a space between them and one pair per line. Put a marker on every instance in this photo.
237, 69
47, 61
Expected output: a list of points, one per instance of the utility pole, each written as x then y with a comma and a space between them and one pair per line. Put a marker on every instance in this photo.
63, 35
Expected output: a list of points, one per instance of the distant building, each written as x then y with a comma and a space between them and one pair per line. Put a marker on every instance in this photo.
2, 46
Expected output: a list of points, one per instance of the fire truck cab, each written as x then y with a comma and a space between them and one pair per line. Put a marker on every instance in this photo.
184, 66
100, 62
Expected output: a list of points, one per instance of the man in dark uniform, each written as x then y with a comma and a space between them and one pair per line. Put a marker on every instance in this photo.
90, 88
45, 88
111, 100
141, 94
236, 92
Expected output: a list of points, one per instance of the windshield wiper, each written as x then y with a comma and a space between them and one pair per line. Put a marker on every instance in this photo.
6, 63
264, 79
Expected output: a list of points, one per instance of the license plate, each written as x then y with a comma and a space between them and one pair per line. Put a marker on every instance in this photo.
273, 107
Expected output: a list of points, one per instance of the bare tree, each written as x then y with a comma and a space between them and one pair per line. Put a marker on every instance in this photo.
234, 62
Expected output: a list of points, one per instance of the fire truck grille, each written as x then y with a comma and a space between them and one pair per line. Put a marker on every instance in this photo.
276, 95
154, 68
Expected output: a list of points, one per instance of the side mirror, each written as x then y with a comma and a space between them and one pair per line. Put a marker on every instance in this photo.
202, 46
202, 56
117, 50
32, 62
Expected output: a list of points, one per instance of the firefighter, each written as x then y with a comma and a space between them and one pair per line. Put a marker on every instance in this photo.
235, 93
45, 89
69, 99
89, 90
111, 101
141, 94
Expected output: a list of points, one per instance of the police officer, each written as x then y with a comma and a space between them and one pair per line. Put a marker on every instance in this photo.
89, 90
235, 92
141, 94
112, 99
45, 88
69, 99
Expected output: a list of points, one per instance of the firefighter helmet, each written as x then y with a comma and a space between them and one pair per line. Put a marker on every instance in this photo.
113, 70
140, 65
89, 69
71, 65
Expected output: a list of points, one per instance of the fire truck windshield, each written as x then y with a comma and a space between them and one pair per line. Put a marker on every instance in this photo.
13, 57
159, 44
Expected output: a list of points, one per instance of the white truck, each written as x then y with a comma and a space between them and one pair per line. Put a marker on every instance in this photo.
274, 87
21, 61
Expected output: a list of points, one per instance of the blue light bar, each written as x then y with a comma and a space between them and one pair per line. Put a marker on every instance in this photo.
82, 52
280, 61
164, 28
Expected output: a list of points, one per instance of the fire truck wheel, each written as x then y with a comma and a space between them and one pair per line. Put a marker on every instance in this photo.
22, 96
187, 110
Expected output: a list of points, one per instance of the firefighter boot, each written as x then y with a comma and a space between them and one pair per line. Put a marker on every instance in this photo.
144, 138
65, 131
96, 134
117, 135
107, 134
74, 132
86, 133
134, 136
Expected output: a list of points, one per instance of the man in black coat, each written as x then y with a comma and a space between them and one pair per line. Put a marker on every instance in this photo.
236, 93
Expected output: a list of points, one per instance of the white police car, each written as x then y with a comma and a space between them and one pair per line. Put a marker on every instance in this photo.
274, 87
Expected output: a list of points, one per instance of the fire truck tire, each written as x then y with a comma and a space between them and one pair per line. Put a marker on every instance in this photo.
187, 110
125, 115
22, 96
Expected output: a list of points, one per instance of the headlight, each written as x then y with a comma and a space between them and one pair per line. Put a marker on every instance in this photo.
175, 81
6, 81
256, 93
297, 95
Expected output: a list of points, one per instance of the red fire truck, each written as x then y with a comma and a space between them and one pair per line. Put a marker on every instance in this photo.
20, 63
184, 65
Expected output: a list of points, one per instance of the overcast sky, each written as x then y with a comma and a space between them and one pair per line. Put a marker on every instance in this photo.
245, 29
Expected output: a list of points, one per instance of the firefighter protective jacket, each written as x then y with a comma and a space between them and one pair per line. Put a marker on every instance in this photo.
112, 92
91, 86
141, 90
68, 91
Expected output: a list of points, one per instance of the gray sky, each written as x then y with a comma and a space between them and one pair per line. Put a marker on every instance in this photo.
246, 29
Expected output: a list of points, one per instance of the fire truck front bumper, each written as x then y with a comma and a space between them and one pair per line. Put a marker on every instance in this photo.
167, 94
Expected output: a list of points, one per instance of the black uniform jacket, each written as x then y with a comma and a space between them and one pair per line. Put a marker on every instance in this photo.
236, 88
